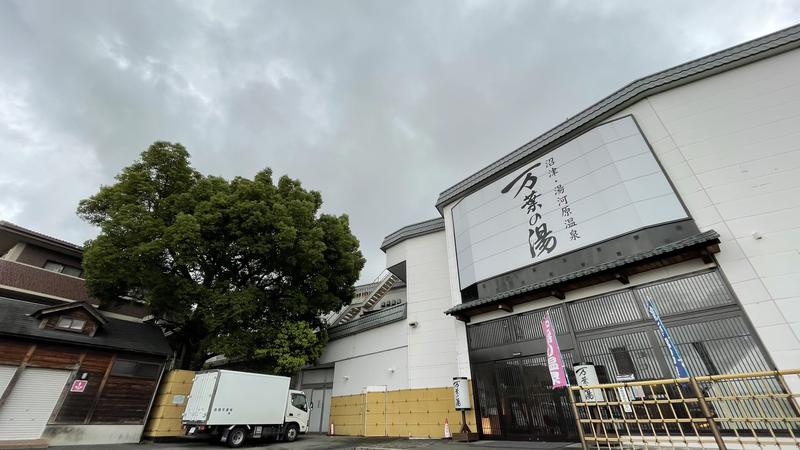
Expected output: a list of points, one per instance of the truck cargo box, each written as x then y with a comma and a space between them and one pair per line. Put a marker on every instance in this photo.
224, 397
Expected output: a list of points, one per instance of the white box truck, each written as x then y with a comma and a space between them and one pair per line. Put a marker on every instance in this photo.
236, 406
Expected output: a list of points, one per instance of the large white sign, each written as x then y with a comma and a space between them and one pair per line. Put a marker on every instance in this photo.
600, 185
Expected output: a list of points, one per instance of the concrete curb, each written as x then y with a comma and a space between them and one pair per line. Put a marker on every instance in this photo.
30, 443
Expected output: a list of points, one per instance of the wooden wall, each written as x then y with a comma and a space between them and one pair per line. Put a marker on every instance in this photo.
107, 399
77, 408
124, 400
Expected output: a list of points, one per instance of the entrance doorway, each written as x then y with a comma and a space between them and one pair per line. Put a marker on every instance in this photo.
319, 419
613, 332
517, 392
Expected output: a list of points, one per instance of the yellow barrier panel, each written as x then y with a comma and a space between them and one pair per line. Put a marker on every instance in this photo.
402, 413
165, 416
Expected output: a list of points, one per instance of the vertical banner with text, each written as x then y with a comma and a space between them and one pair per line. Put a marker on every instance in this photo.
677, 361
554, 362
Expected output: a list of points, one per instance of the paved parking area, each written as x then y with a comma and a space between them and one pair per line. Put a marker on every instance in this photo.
319, 442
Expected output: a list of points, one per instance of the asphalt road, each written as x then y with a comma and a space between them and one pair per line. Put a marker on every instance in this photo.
319, 442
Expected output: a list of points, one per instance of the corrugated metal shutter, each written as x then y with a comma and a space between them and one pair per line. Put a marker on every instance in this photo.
6, 372
32, 399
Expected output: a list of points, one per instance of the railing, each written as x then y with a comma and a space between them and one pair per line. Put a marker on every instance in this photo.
383, 282
739, 411
377, 319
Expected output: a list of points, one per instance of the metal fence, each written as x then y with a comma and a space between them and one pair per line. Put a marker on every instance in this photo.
741, 411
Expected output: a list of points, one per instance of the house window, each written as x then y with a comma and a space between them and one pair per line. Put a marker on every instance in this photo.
128, 368
69, 323
53, 266
63, 268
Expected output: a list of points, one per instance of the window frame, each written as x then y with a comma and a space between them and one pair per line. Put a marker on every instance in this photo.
70, 326
134, 367
294, 395
53, 264
62, 268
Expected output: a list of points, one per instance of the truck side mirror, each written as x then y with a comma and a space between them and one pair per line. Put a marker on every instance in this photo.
310, 406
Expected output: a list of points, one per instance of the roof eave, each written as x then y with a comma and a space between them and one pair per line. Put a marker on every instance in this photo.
702, 243
86, 344
411, 231
42, 239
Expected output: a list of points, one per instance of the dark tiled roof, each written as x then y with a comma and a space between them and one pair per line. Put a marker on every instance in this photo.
731, 58
690, 241
116, 334
14, 228
413, 230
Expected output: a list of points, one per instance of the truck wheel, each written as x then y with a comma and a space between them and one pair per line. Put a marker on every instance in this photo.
292, 432
236, 437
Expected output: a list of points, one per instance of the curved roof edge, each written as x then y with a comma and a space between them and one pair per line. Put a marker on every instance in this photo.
724, 60
413, 230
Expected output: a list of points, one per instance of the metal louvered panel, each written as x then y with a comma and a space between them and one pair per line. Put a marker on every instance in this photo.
489, 334
528, 326
541, 360
604, 311
599, 351
705, 290
30, 403
716, 347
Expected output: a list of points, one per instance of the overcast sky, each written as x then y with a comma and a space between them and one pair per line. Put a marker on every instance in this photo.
379, 105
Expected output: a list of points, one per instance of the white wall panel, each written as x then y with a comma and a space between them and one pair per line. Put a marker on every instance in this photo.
376, 340
353, 375
432, 359
731, 145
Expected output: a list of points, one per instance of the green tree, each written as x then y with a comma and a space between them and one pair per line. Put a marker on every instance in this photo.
243, 268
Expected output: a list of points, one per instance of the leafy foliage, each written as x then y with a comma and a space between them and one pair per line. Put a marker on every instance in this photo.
243, 268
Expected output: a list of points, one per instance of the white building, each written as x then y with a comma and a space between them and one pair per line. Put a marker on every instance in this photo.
394, 334
683, 187
680, 189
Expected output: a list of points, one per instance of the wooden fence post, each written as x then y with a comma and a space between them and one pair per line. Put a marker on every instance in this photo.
712, 424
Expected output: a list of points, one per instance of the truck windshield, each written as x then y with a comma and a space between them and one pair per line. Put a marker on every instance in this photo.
299, 401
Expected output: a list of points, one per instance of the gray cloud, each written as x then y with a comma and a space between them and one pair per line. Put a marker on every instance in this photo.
380, 105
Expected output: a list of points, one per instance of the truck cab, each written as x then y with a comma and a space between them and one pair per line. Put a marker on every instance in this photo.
297, 411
